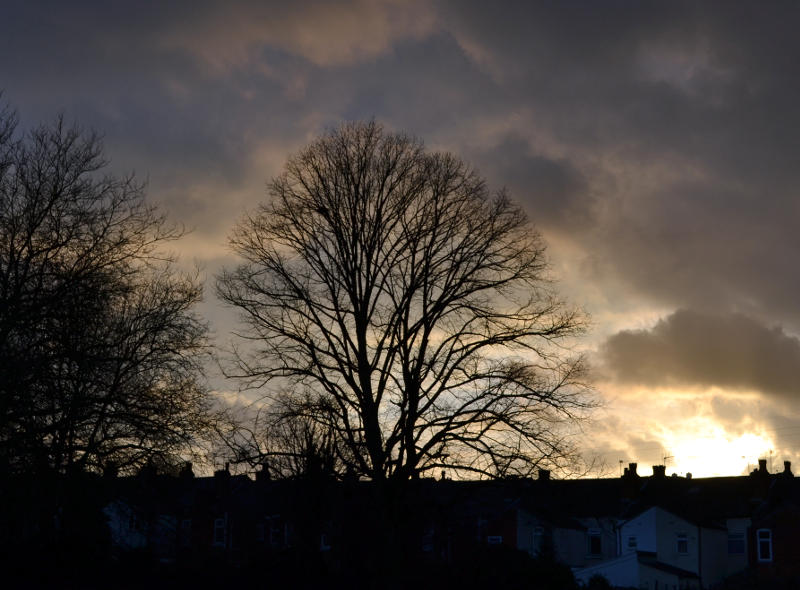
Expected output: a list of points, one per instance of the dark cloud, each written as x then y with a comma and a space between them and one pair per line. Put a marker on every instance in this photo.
653, 143
188, 93
680, 116
657, 139
694, 349
555, 191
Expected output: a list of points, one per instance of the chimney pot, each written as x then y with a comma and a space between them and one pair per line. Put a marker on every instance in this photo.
787, 467
263, 474
111, 470
762, 465
659, 471
187, 471
544, 474
632, 468
689, 475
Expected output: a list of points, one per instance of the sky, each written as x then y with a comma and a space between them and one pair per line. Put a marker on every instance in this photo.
654, 145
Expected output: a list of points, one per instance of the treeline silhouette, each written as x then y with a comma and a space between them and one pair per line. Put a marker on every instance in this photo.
365, 551
395, 305
101, 352
100, 349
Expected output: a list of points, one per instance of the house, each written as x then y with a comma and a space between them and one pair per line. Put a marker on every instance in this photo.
773, 540
184, 518
574, 524
641, 569
641, 531
658, 549
686, 532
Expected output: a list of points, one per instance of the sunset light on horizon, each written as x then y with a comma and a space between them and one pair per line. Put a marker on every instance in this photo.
653, 146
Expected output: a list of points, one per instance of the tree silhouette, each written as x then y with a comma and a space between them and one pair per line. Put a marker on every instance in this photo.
407, 310
285, 439
100, 351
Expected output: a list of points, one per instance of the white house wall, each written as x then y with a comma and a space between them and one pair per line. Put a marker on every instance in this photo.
608, 538
119, 516
668, 526
654, 579
643, 527
737, 562
713, 555
526, 525
570, 546
622, 571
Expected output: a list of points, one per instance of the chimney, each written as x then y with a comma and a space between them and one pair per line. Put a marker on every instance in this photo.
688, 475
222, 481
544, 475
147, 472
111, 470
186, 471
659, 471
263, 473
630, 479
787, 469
762, 465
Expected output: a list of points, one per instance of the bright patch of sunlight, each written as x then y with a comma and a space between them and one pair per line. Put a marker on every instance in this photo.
716, 452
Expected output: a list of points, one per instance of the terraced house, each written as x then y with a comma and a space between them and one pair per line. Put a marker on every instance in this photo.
655, 532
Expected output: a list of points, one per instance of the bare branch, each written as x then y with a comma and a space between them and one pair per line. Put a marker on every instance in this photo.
415, 306
100, 350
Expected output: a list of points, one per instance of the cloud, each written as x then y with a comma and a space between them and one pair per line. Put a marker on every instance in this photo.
693, 349
555, 191
616, 438
678, 116
324, 33
654, 145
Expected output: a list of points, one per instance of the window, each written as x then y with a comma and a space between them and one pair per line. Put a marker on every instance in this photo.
683, 544
260, 532
428, 539
324, 542
538, 540
219, 532
764, 537
134, 524
632, 542
594, 545
186, 532
736, 544
275, 534
494, 539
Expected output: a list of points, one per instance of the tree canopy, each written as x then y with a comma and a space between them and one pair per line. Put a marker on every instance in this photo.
100, 349
389, 298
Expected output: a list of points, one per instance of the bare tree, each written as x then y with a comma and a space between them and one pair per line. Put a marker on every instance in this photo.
100, 351
286, 439
386, 285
